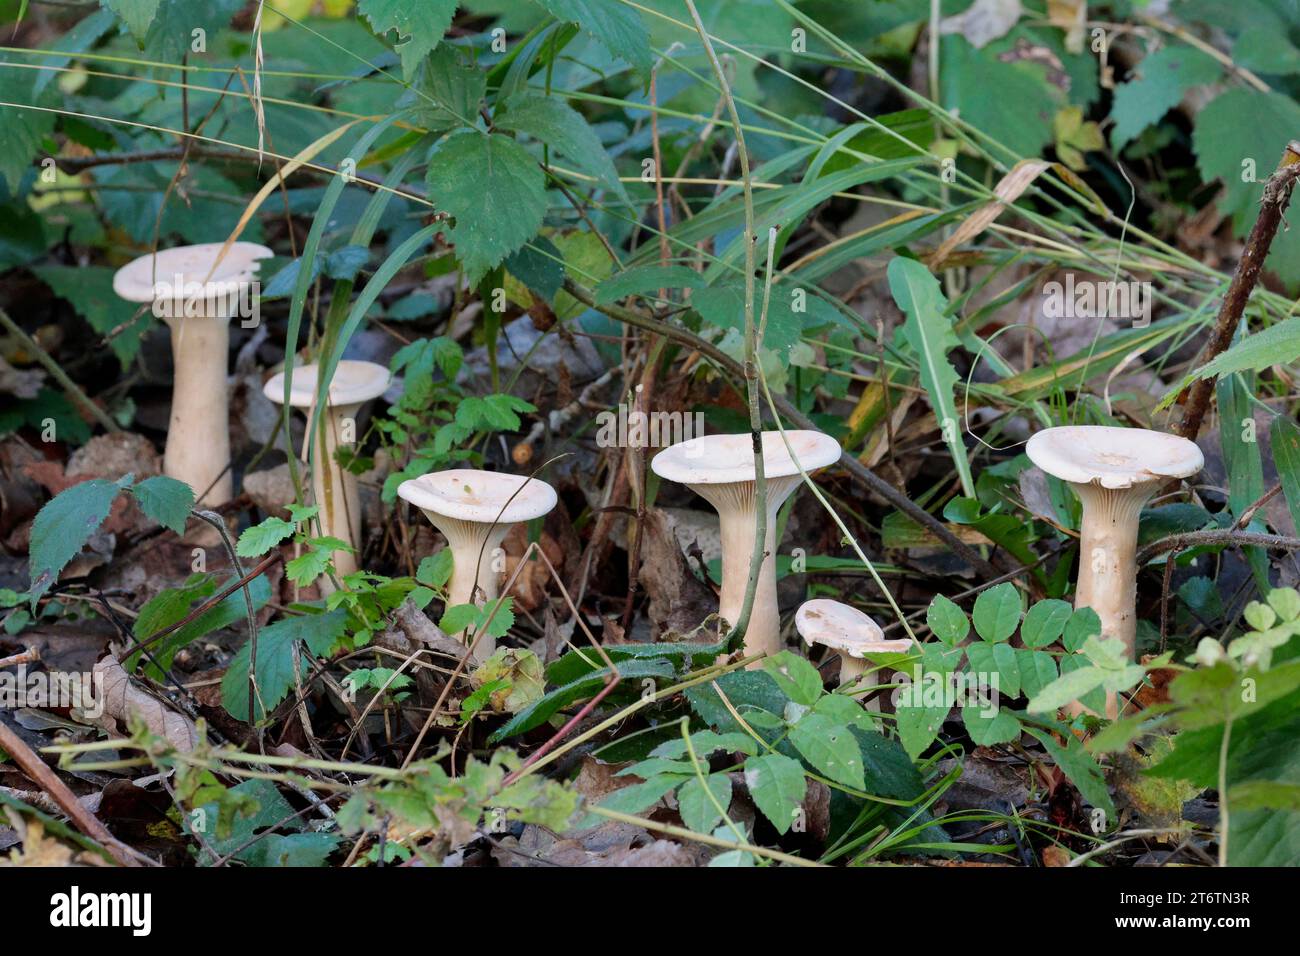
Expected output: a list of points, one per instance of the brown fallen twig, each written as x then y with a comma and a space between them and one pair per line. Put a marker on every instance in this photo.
1232, 538
1277, 194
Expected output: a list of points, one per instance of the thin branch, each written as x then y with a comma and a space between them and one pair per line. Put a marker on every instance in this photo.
1215, 536
68, 385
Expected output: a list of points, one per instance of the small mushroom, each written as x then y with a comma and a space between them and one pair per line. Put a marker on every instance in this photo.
197, 295
850, 633
1114, 472
720, 469
333, 487
475, 510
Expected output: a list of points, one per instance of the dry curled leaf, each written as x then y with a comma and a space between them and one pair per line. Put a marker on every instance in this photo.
121, 700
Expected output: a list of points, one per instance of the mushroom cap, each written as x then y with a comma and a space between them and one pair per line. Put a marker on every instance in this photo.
467, 494
843, 628
724, 459
138, 279
1115, 458
352, 384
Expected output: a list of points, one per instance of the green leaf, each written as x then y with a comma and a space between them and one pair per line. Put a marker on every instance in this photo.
986, 730
970, 75
318, 633
1284, 438
136, 14
262, 537
420, 26
947, 621
1265, 49
89, 290
25, 127
706, 742
929, 332
495, 190
1076, 763
646, 279
797, 678
831, 749
695, 801
166, 501
63, 527
549, 120
455, 619
777, 786
449, 93
618, 28
723, 307
1037, 670
1265, 795
1045, 622
308, 566
997, 612
749, 692
1279, 344
1084, 623
172, 605
1066, 688
435, 570
986, 659
1159, 83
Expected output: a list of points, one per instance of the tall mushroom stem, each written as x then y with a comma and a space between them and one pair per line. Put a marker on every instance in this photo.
334, 489
198, 435
473, 546
735, 503
1108, 535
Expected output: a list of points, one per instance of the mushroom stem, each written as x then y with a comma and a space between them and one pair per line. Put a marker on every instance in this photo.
1107, 580
334, 489
198, 436
854, 670
473, 545
735, 504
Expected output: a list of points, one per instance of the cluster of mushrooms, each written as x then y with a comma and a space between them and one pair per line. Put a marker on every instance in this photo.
1113, 471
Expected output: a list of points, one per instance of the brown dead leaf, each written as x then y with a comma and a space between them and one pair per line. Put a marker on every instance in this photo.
679, 601
123, 700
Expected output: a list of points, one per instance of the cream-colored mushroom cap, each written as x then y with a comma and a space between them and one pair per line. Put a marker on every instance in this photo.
843, 628
469, 495
1115, 458
353, 383
137, 280
723, 459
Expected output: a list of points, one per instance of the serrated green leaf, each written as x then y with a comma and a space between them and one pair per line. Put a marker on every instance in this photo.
1037, 670
307, 567
262, 537
62, 528
496, 192
616, 27
318, 633
830, 748
435, 570
1158, 84
777, 786
550, 120
89, 289
136, 14
165, 500
695, 801
1077, 764
797, 678
420, 26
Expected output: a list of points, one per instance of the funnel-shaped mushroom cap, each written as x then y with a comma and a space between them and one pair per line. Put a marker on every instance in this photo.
844, 629
1114, 458
723, 459
138, 280
469, 495
353, 383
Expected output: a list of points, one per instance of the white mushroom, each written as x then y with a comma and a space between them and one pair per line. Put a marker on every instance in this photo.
720, 469
196, 295
334, 488
1114, 472
851, 634
475, 510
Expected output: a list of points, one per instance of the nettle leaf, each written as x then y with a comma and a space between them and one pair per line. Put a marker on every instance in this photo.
89, 290
928, 330
796, 677
165, 500
695, 801
997, 612
495, 190
947, 621
63, 527
420, 26
262, 537
618, 28
550, 120
1159, 83
448, 93
830, 748
1045, 622
318, 634
136, 14
723, 306
777, 785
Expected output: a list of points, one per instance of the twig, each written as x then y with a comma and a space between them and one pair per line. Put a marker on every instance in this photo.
1196, 539
1277, 194
68, 385
35, 768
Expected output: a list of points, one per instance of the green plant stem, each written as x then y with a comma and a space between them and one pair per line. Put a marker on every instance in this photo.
68, 385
